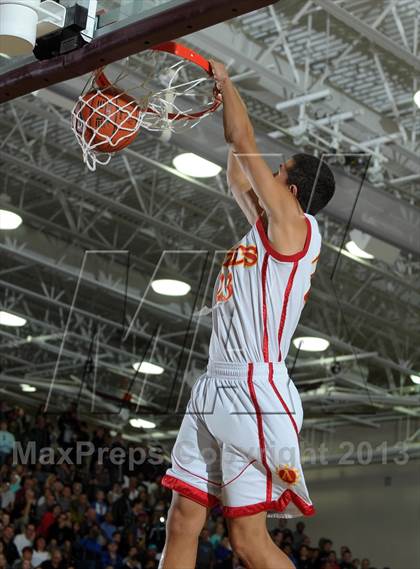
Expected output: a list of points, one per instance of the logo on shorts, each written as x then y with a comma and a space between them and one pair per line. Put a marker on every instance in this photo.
288, 474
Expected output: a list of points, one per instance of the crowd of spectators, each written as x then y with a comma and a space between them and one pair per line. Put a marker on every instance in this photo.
99, 515
215, 552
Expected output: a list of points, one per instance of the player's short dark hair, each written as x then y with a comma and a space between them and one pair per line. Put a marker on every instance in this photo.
314, 180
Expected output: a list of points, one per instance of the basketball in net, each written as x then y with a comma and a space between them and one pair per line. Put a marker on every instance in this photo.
171, 88
108, 120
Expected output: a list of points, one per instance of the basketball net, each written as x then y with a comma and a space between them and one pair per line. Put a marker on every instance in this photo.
166, 89
104, 122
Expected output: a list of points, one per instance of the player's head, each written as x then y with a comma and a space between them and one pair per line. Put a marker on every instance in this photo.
311, 181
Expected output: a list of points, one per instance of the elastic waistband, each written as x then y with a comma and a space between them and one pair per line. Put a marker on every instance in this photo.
227, 370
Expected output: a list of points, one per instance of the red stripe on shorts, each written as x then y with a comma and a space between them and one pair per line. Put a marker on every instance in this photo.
260, 426
282, 401
204, 498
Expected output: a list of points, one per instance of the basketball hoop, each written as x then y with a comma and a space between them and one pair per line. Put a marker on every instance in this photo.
166, 89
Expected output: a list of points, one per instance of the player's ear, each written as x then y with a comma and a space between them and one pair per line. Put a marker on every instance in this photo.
294, 190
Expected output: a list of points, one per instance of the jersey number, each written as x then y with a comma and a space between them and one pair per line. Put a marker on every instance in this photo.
247, 256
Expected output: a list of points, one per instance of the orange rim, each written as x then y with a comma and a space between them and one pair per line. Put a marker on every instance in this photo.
183, 52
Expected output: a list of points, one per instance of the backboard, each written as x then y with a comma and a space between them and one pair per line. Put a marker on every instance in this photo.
115, 14
111, 15
124, 27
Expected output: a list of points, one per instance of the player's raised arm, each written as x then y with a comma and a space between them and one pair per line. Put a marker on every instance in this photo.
278, 202
241, 189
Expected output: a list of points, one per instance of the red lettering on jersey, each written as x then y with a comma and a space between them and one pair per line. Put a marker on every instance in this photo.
241, 255
232, 258
225, 288
246, 256
250, 256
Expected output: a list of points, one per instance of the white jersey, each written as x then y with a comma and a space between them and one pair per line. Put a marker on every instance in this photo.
259, 296
238, 445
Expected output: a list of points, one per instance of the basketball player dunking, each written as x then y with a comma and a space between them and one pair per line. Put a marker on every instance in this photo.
238, 443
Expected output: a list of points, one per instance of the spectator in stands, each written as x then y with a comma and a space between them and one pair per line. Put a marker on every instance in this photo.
151, 560
115, 493
48, 519
325, 546
223, 554
56, 561
205, 553
288, 550
7, 442
298, 535
91, 549
65, 498
68, 554
356, 564
306, 541
332, 558
45, 503
79, 508
98, 441
25, 539
40, 553
343, 549
9, 490
111, 557
121, 509
115, 468
40, 435
108, 528
277, 536
132, 560
9, 548
303, 560
315, 558
69, 427
25, 560
365, 564
100, 506
133, 488
287, 536
218, 534
61, 530
346, 560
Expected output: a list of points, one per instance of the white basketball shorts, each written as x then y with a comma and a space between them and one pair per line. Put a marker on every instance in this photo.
238, 444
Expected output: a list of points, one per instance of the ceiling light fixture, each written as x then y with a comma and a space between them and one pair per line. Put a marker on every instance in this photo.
9, 220
415, 378
148, 368
142, 424
27, 388
357, 251
311, 344
195, 166
171, 287
417, 99
8, 319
